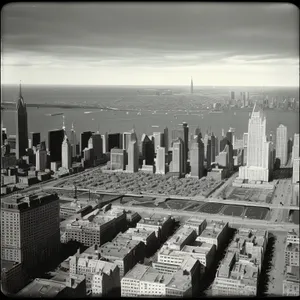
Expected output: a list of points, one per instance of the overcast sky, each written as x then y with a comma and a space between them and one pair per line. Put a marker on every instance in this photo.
151, 44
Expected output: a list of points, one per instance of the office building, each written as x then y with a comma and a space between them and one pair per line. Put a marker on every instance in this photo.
161, 160
104, 143
102, 277
282, 144
158, 140
55, 139
292, 249
183, 236
197, 157
207, 150
232, 97
133, 157
147, 149
148, 282
127, 137
60, 286
295, 150
291, 282
21, 127
166, 139
84, 139
290, 146
73, 141
41, 157
117, 159
35, 139
35, 238
95, 143
185, 145
66, 152
177, 164
114, 141
258, 150
176, 134
217, 147
213, 148
296, 166
230, 136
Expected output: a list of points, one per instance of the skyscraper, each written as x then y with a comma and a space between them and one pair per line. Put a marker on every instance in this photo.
73, 141
66, 152
296, 166
213, 148
232, 97
198, 132
35, 138
133, 157
21, 127
147, 150
258, 149
41, 158
192, 86
158, 140
55, 139
161, 161
127, 136
84, 139
185, 145
178, 157
295, 150
217, 148
95, 142
166, 139
114, 141
282, 144
105, 143
197, 157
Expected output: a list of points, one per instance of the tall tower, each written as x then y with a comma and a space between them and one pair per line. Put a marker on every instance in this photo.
282, 144
197, 157
166, 139
21, 127
41, 157
73, 141
192, 86
66, 153
258, 149
185, 146
178, 157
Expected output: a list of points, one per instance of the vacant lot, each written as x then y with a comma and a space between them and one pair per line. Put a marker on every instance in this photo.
195, 207
258, 213
233, 210
178, 203
251, 194
211, 208
142, 183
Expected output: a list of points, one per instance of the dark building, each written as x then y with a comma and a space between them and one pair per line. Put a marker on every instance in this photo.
114, 141
166, 139
223, 143
185, 145
213, 148
84, 139
35, 138
147, 150
55, 139
208, 153
198, 132
4, 136
290, 145
229, 136
21, 127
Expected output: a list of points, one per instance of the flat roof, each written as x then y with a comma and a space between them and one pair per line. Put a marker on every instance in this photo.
137, 272
8, 264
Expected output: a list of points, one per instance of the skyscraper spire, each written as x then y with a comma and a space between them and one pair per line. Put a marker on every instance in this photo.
72, 126
20, 90
64, 127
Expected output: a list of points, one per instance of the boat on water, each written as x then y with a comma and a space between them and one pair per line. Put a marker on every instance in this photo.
55, 114
215, 112
87, 112
155, 126
139, 113
127, 113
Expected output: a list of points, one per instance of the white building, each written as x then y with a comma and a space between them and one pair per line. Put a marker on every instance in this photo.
158, 140
258, 150
41, 158
104, 142
295, 177
66, 154
160, 160
295, 149
282, 144
133, 157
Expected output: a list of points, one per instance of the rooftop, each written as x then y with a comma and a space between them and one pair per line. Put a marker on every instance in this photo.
137, 272
194, 222
293, 274
180, 236
155, 219
8, 264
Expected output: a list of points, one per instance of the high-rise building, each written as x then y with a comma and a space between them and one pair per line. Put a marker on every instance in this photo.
161, 160
178, 157
127, 137
105, 143
197, 157
217, 148
84, 139
192, 86
229, 135
114, 141
21, 127
41, 157
55, 139
282, 144
35, 138
73, 141
95, 142
232, 97
66, 153
295, 150
258, 149
213, 148
166, 139
185, 145
158, 140
117, 159
296, 166
177, 133
197, 132
30, 232
133, 156
147, 150
290, 146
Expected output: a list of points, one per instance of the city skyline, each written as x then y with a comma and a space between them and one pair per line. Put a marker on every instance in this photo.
243, 45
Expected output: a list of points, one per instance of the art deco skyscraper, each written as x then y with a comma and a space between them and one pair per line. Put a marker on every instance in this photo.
66, 153
282, 144
197, 157
258, 149
21, 127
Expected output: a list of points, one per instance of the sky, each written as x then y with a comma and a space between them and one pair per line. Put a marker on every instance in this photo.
217, 44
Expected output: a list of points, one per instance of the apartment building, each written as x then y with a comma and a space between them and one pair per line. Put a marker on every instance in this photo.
215, 233
235, 278
30, 231
102, 277
291, 282
146, 281
160, 224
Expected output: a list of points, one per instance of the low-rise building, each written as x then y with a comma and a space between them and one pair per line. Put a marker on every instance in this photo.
160, 224
197, 224
147, 281
74, 287
215, 233
291, 282
71, 208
